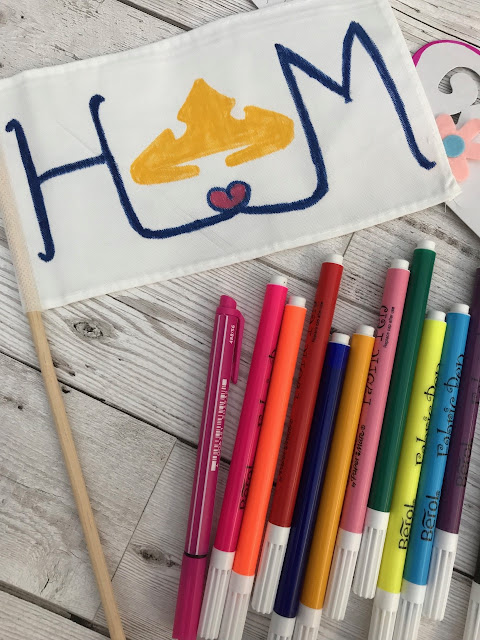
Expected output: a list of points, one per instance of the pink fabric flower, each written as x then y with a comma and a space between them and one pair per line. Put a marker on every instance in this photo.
458, 144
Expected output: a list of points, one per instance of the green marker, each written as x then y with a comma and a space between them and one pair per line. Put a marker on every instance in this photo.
381, 492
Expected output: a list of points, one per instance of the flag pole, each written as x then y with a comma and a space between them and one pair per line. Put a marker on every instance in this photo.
31, 303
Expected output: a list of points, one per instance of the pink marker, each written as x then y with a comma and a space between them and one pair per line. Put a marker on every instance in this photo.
368, 435
235, 497
223, 366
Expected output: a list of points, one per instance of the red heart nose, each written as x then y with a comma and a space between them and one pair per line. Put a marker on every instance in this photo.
228, 198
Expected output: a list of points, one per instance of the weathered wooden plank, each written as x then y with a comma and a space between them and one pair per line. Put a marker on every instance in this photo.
457, 248
35, 33
146, 350
421, 21
193, 13
147, 579
454, 19
42, 550
20, 620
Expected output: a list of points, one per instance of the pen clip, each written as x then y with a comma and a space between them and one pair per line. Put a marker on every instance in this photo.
228, 307
238, 346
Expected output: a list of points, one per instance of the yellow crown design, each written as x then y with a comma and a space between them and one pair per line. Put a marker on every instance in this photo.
211, 129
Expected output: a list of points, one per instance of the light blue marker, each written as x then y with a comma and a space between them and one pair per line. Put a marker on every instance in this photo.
420, 545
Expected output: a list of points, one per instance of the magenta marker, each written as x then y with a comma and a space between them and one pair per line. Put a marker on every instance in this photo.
223, 366
455, 479
370, 424
235, 497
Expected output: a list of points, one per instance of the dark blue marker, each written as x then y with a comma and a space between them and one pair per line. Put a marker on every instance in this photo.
310, 488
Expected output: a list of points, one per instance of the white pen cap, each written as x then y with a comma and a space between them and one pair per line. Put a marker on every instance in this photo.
279, 280
472, 624
270, 568
426, 244
440, 574
370, 554
384, 612
221, 563
341, 574
398, 263
307, 623
236, 606
409, 611
335, 258
281, 628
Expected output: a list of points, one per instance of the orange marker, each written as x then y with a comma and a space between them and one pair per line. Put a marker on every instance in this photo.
334, 486
248, 548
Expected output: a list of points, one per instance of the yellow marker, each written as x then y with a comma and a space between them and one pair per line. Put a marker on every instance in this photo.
389, 584
211, 129
334, 486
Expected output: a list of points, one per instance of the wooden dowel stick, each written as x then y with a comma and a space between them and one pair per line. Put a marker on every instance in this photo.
31, 303
76, 476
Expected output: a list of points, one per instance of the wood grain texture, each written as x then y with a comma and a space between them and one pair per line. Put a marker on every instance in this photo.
42, 549
421, 21
147, 579
20, 620
142, 357
36, 33
146, 350
74, 471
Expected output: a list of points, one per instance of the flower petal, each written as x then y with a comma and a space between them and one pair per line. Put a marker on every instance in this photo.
459, 167
472, 150
470, 129
445, 125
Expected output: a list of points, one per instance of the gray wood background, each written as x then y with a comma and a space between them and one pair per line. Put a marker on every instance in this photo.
132, 367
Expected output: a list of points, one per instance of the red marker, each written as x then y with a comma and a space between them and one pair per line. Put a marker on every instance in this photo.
278, 528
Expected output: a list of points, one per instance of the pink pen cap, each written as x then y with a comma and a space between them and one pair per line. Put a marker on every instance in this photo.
223, 367
236, 491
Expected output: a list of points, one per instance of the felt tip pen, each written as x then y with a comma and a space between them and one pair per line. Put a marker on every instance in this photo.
285, 495
385, 471
425, 381
420, 543
472, 623
236, 490
333, 493
223, 366
310, 488
456, 472
250, 539
366, 445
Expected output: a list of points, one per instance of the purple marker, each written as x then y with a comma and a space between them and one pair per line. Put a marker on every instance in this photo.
455, 480
224, 363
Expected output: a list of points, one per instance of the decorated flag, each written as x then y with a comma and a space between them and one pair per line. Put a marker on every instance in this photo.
261, 132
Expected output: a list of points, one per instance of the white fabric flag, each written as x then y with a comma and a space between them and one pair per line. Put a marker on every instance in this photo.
261, 132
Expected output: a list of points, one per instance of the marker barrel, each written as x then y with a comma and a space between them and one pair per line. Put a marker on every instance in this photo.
394, 419
458, 461
298, 431
236, 490
455, 480
431, 477
223, 366
409, 467
366, 445
304, 516
336, 476
436, 449
248, 547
